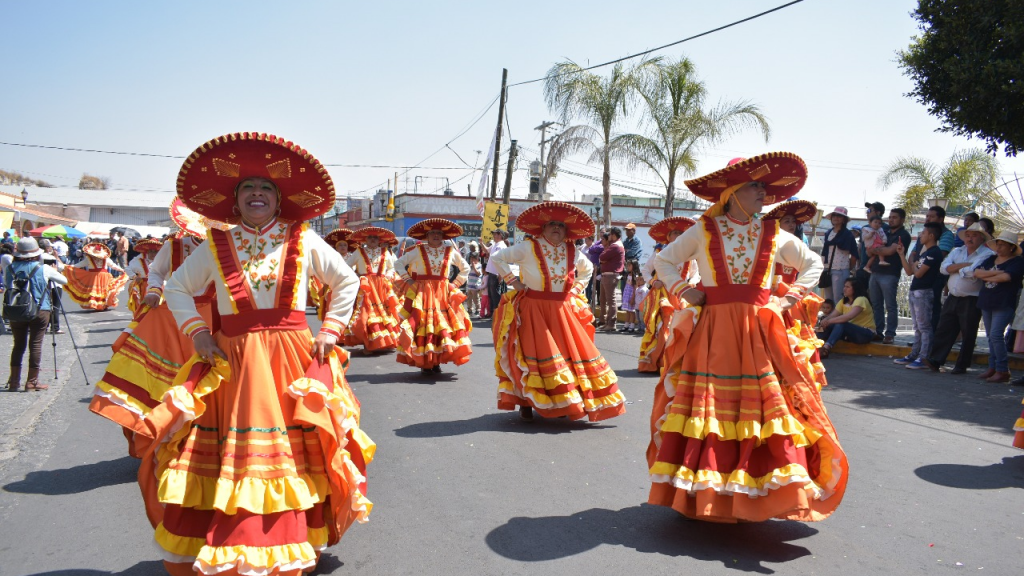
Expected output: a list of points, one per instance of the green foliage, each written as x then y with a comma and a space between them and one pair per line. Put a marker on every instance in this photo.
967, 179
968, 68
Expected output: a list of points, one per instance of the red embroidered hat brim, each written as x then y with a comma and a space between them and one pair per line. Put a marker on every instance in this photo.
207, 179
149, 245
96, 250
337, 235
802, 210
191, 222
783, 175
577, 223
660, 231
386, 236
419, 230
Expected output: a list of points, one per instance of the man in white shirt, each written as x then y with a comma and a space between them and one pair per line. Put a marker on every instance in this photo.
61, 249
493, 274
960, 313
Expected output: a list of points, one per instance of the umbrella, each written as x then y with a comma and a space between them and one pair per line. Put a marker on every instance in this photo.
129, 232
52, 231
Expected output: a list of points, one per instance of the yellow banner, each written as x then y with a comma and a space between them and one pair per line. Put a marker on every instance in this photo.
495, 218
6, 219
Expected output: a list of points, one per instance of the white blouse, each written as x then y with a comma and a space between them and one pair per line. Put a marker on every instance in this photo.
411, 262
739, 246
356, 261
259, 254
136, 268
555, 257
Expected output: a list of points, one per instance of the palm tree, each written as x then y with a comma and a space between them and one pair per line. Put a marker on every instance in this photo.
968, 178
680, 124
575, 93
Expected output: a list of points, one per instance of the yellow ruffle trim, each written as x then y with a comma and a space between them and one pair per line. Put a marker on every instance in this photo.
737, 482
257, 495
178, 545
1019, 425
318, 537
700, 428
256, 559
121, 398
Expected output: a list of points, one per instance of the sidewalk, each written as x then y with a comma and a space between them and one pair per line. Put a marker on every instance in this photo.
905, 339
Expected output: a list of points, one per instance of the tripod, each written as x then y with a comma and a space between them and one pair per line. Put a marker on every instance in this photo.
58, 306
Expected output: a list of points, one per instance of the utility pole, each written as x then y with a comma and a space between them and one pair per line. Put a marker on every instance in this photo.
543, 167
497, 135
507, 191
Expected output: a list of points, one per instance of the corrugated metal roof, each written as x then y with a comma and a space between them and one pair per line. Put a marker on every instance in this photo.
77, 197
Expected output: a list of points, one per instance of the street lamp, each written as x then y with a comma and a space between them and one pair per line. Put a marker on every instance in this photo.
940, 202
596, 210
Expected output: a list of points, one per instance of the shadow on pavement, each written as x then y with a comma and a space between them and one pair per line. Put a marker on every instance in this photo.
102, 330
500, 422
147, 568
1006, 474
409, 376
652, 530
886, 386
77, 479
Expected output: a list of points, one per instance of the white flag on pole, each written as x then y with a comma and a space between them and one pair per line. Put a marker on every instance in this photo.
481, 190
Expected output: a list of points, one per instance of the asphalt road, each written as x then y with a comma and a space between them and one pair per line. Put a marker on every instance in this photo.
461, 488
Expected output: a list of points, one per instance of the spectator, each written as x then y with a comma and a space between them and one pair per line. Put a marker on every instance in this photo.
493, 275
594, 250
970, 219
474, 284
960, 313
60, 249
873, 209
851, 320
872, 236
29, 333
828, 305
839, 253
121, 251
7, 238
1002, 275
925, 271
885, 279
634, 249
988, 225
613, 260
633, 279
936, 214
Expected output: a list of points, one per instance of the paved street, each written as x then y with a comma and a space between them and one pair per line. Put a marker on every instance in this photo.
460, 488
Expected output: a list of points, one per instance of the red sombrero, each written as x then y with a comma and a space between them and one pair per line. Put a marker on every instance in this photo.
577, 223
148, 245
386, 236
447, 227
660, 231
207, 179
96, 250
783, 175
191, 222
802, 210
338, 235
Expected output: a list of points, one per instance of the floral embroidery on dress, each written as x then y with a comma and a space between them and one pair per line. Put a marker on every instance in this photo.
558, 266
436, 257
254, 254
740, 243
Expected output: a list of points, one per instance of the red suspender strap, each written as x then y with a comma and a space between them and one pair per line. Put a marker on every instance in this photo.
290, 267
230, 270
716, 251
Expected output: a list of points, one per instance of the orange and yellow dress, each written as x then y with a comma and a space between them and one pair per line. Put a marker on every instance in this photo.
544, 342
91, 286
657, 310
1018, 427
801, 320
138, 283
375, 324
149, 352
741, 433
258, 462
435, 327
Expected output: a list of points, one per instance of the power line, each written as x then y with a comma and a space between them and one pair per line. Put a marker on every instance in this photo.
676, 43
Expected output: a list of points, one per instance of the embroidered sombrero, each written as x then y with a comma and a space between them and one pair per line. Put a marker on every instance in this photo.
386, 236
802, 210
577, 223
148, 245
783, 175
207, 179
96, 250
447, 227
337, 235
660, 231
191, 222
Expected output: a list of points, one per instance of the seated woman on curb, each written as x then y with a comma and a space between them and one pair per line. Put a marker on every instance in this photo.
852, 320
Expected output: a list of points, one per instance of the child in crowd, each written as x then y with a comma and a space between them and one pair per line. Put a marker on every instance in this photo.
629, 302
872, 236
639, 296
826, 308
475, 284
925, 273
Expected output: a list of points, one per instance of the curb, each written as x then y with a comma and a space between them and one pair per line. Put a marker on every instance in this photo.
1016, 361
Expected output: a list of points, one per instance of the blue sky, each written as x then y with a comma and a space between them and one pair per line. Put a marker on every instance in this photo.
388, 83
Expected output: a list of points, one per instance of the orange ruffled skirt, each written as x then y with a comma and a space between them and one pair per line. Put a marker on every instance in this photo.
374, 324
435, 327
93, 289
800, 321
545, 358
147, 357
739, 432
1018, 427
656, 311
136, 292
256, 466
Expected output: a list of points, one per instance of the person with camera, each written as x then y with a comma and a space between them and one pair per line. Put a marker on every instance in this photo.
27, 307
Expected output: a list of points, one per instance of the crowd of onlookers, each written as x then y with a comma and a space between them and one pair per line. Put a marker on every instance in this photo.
959, 279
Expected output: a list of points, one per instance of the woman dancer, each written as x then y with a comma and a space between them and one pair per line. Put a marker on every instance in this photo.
90, 284
374, 325
659, 305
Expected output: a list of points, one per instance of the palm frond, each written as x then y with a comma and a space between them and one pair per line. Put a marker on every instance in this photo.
913, 170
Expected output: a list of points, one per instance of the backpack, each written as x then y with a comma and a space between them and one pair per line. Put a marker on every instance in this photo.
20, 304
